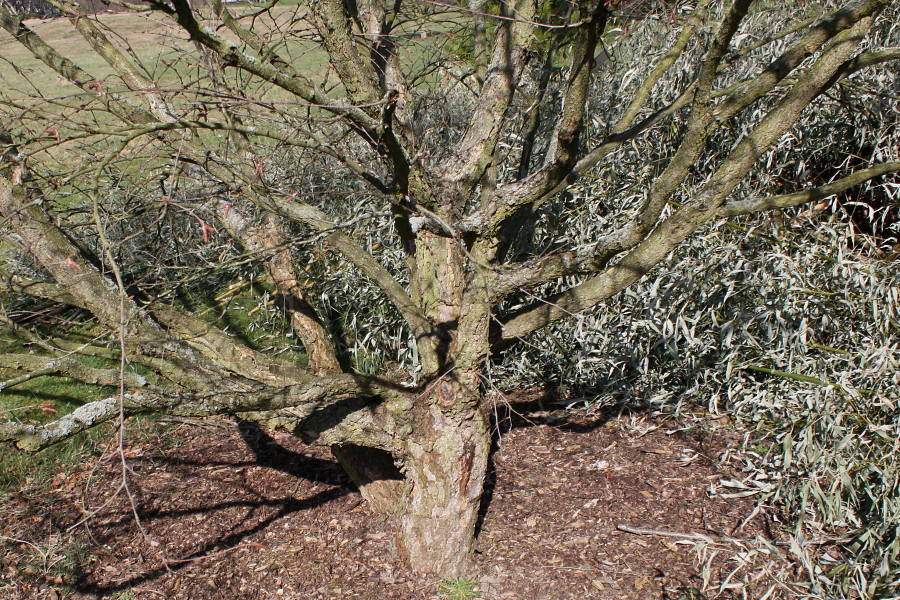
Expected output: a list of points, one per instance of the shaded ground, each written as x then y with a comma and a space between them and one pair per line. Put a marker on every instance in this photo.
229, 511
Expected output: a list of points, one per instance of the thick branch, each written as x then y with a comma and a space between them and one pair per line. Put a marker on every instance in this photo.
421, 327
532, 120
333, 24
53, 250
751, 205
752, 90
92, 290
368, 78
696, 133
36, 366
476, 148
37, 289
564, 147
780, 119
116, 104
632, 267
267, 238
133, 78
222, 348
737, 97
307, 399
250, 38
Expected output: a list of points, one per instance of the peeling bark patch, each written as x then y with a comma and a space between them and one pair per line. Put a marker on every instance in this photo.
468, 458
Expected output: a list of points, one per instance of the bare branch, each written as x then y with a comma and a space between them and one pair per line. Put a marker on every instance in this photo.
39, 289
37, 366
293, 83
333, 24
295, 210
117, 105
632, 267
132, 77
267, 238
564, 147
751, 205
747, 93
475, 149
93, 290
225, 350
248, 37
590, 259
306, 399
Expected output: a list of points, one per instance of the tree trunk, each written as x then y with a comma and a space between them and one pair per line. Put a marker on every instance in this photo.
445, 471
435, 494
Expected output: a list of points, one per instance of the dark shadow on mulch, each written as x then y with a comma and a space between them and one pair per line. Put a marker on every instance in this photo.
541, 408
269, 453
219, 545
156, 513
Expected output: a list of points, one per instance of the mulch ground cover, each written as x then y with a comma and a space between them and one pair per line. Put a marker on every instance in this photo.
580, 505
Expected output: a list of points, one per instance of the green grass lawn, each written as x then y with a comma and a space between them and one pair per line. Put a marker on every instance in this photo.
40, 400
169, 58
160, 48
154, 43
44, 108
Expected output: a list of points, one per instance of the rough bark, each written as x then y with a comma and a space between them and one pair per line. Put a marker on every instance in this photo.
445, 470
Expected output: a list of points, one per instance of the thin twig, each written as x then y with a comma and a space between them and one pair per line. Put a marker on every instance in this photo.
719, 539
688, 536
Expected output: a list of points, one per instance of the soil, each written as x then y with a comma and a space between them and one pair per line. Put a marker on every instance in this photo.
229, 510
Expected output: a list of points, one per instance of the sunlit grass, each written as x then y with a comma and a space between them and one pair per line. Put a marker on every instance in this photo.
41, 400
155, 44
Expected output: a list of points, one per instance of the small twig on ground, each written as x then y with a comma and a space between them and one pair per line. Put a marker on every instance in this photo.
26, 542
718, 539
686, 536
209, 554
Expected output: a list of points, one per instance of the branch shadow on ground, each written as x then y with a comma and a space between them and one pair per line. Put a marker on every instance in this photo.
217, 546
269, 454
538, 409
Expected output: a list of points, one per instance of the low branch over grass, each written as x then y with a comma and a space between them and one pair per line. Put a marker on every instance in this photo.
37, 366
315, 398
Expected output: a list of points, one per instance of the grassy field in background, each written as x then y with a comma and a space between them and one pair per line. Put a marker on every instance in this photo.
155, 43
169, 58
161, 49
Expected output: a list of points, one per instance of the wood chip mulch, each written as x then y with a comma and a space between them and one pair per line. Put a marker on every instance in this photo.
228, 510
